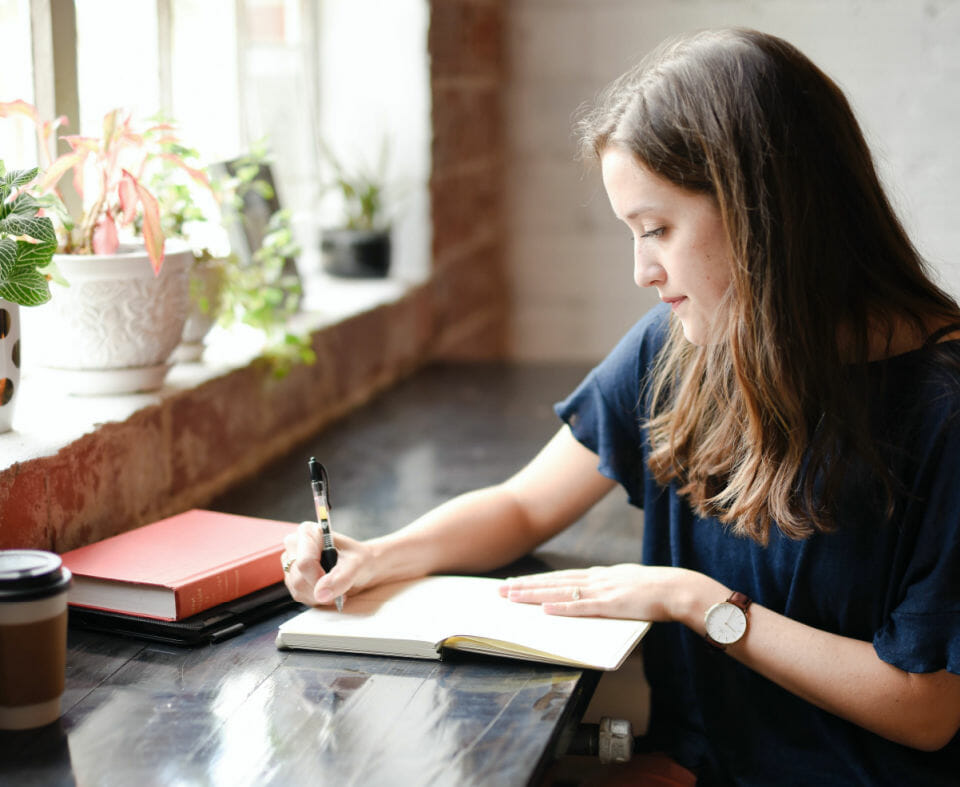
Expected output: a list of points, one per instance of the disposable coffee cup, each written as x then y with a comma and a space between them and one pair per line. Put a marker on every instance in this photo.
33, 637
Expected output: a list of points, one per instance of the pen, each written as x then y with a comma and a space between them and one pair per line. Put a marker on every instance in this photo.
320, 486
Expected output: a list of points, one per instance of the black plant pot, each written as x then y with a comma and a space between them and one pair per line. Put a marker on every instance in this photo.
356, 253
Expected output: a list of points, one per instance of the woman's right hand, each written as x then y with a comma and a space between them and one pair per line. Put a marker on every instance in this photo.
472, 533
307, 582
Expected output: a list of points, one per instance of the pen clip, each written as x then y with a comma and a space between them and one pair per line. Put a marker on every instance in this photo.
319, 481
326, 485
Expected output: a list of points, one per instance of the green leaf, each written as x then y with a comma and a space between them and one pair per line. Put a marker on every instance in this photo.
29, 289
37, 228
37, 255
20, 280
16, 178
8, 255
24, 205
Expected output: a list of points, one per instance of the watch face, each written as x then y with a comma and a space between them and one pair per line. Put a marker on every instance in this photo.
725, 622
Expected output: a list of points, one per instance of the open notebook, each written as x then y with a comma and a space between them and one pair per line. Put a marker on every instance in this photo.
421, 617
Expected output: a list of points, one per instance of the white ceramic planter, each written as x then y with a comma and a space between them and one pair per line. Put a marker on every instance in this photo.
9, 362
206, 281
113, 329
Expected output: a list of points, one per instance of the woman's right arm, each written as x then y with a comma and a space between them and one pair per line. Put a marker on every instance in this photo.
473, 533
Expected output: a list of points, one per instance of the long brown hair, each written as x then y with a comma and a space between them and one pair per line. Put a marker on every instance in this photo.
757, 427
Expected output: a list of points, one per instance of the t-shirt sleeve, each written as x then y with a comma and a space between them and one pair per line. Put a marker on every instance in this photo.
922, 633
605, 412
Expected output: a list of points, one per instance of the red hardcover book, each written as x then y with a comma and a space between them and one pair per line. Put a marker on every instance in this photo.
179, 566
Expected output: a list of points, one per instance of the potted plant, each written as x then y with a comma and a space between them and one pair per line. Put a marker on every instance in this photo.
190, 212
255, 289
114, 328
262, 289
360, 246
27, 244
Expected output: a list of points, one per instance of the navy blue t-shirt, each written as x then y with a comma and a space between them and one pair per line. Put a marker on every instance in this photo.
894, 583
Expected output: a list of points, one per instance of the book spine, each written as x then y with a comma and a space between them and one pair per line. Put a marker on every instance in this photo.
227, 584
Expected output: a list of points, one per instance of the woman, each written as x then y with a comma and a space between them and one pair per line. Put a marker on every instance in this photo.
789, 420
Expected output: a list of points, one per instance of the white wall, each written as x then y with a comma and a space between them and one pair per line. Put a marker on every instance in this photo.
570, 261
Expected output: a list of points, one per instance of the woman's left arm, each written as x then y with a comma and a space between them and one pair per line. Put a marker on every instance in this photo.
838, 674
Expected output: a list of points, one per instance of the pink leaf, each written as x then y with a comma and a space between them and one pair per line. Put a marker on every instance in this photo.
127, 191
105, 240
81, 144
19, 107
198, 175
110, 127
56, 170
152, 231
44, 129
45, 134
160, 127
78, 182
131, 138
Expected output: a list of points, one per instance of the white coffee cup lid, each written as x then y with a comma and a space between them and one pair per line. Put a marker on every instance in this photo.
27, 574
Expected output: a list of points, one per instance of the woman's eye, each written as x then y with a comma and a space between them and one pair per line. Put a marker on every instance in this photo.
656, 233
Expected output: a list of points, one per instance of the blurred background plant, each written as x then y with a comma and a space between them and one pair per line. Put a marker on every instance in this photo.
357, 243
362, 189
259, 292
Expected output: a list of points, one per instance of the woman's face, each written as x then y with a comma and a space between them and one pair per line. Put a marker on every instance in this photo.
679, 245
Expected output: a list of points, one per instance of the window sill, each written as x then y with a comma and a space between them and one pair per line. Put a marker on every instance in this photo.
46, 420
74, 469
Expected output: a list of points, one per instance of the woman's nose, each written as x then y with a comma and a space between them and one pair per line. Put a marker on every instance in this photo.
647, 272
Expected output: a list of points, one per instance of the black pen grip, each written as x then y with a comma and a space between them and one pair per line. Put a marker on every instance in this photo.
328, 558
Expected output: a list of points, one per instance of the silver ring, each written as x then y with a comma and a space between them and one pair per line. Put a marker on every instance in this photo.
576, 592
287, 563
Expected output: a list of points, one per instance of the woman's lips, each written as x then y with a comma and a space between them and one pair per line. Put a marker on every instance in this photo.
673, 303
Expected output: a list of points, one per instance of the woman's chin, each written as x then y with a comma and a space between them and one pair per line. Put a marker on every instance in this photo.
693, 333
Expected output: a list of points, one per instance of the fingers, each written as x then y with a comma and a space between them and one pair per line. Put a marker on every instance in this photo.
592, 592
560, 599
551, 586
559, 592
584, 608
301, 562
547, 594
303, 575
343, 576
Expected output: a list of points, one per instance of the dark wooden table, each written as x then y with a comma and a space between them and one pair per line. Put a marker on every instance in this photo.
242, 713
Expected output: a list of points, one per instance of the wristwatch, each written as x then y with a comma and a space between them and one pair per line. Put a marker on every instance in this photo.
726, 621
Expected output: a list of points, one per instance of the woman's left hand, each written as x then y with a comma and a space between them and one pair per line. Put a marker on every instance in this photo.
627, 590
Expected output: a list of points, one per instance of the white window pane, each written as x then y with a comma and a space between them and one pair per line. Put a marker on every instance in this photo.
204, 76
117, 64
18, 147
278, 95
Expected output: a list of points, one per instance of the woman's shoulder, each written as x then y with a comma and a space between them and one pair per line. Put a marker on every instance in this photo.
923, 387
935, 367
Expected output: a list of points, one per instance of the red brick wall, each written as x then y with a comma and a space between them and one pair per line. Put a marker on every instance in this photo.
468, 285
